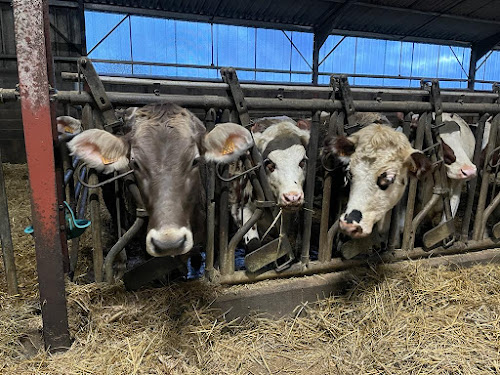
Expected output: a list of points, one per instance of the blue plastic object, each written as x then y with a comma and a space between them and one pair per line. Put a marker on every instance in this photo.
74, 227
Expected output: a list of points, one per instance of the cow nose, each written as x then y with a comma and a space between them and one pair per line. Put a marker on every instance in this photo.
169, 243
468, 171
351, 229
292, 198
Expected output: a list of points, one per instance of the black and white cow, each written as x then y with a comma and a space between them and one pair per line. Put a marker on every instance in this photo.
283, 143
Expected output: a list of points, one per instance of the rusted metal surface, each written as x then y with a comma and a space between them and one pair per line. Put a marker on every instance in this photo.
39, 140
6, 238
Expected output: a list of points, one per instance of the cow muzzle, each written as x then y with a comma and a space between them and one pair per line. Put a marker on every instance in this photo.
292, 199
350, 224
169, 241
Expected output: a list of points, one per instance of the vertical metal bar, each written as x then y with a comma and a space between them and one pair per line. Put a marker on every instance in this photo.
412, 189
325, 252
6, 237
39, 139
473, 184
83, 35
210, 245
481, 203
312, 152
225, 261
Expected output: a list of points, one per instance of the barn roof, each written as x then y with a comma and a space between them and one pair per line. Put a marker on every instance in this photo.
437, 21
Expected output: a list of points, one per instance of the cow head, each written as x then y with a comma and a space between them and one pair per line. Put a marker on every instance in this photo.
282, 143
458, 147
379, 160
165, 147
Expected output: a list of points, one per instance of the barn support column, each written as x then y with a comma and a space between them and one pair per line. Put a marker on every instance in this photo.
35, 72
315, 66
472, 69
478, 50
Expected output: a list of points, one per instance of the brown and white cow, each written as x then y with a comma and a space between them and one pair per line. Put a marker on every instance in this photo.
379, 160
164, 147
282, 143
458, 143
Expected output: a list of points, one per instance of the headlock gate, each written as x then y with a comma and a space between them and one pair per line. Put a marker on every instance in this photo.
315, 244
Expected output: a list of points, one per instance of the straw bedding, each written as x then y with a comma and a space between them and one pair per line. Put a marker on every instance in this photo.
420, 321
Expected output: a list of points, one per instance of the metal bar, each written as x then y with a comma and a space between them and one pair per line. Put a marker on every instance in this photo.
360, 75
227, 258
289, 86
473, 183
39, 139
119, 246
6, 238
338, 264
483, 192
225, 261
408, 235
325, 252
294, 46
108, 34
253, 103
312, 151
333, 49
210, 245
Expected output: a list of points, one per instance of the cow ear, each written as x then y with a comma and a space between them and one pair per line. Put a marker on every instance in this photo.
100, 150
339, 147
418, 164
304, 124
226, 143
68, 124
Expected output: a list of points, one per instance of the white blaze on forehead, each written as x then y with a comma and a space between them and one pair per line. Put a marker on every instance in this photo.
288, 176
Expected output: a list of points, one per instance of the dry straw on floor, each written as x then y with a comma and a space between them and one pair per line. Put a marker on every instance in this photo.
420, 321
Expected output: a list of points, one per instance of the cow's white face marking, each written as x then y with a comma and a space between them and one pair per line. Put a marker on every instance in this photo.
379, 161
284, 147
287, 174
369, 196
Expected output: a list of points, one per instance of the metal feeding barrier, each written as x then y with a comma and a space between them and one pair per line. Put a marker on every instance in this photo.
283, 256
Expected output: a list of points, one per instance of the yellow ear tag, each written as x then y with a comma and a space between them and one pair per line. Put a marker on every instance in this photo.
229, 146
107, 161
68, 129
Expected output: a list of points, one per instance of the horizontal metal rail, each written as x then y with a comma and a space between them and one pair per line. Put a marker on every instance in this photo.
68, 76
338, 264
209, 101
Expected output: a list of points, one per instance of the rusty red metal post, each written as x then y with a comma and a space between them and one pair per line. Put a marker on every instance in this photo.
38, 132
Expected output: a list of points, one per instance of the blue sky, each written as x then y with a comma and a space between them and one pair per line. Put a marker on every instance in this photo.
148, 39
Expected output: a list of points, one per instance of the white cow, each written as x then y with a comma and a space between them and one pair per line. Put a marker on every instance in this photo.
379, 160
282, 143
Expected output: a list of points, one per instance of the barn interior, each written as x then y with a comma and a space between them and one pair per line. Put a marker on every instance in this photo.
382, 314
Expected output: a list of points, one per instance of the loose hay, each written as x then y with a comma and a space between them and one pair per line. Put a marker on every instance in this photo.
420, 321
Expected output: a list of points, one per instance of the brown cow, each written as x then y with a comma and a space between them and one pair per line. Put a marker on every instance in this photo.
164, 147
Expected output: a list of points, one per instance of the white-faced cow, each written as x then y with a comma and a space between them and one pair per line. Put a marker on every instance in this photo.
164, 147
282, 143
379, 160
458, 149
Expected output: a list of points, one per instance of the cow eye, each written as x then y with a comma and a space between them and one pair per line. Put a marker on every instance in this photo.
270, 165
302, 163
135, 165
385, 180
196, 162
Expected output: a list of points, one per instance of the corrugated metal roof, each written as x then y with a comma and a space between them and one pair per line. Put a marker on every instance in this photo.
454, 21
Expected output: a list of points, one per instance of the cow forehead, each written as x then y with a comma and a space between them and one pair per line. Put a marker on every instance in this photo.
280, 130
289, 156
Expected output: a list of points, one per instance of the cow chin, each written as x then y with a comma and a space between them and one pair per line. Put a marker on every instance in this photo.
170, 241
